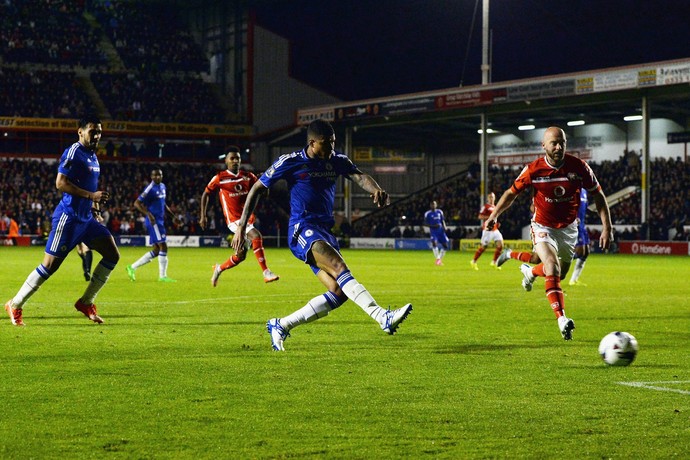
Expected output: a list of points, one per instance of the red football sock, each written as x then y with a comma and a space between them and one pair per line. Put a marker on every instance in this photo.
538, 270
521, 256
554, 294
497, 253
231, 262
478, 254
258, 247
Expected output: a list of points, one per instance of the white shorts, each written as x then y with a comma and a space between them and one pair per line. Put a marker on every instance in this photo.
491, 235
233, 227
563, 239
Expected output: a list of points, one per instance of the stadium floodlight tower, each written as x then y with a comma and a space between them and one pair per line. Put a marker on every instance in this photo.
486, 79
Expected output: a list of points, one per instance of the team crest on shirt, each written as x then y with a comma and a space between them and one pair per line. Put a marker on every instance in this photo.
574, 176
238, 187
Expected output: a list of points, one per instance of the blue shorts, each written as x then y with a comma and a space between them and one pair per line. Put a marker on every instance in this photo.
67, 232
302, 236
582, 237
156, 231
438, 235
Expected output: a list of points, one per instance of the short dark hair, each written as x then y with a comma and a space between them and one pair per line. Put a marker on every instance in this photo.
232, 149
320, 128
90, 118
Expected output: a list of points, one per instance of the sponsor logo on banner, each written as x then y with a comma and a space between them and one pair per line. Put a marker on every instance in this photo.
372, 243
653, 248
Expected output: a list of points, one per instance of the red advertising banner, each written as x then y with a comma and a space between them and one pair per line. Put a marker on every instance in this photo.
661, 248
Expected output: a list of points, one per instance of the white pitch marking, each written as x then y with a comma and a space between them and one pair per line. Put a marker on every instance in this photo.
653, 385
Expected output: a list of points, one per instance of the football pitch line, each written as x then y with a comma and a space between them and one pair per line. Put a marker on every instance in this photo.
654, 385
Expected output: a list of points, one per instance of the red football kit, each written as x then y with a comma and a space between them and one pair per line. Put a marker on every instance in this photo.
556, 191
233, 190
486, 212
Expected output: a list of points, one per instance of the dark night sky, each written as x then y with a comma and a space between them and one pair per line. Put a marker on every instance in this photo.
358, 49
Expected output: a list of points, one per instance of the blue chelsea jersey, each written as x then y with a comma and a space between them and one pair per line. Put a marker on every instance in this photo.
582, 210
82, 169
153, 197
311, 182
434, 218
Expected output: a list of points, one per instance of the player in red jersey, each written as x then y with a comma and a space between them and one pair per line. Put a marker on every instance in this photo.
556, 180
488, 235
233, 185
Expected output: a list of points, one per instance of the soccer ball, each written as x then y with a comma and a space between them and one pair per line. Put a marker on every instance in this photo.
618, 349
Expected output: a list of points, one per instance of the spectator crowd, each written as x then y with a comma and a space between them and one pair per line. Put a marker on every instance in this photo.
28, 195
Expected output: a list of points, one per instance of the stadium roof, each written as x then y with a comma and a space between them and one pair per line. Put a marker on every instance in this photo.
448, 120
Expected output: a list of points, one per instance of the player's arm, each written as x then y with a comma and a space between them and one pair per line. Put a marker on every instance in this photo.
203, 206
379, 195
504, 203
605, 216
141, 207
255, 193
63, 184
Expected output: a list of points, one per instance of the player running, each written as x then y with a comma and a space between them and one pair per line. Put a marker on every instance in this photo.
488, 235
74, 222
311, 174
233, 185
152, 204
440, 243
556, 180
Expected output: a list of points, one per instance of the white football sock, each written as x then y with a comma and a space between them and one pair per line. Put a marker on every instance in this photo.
146, 258
359, 295
33, 282
162, 264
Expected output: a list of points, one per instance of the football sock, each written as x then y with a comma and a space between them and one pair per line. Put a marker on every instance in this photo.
258, 247
359, 295
231, 262
316, 308
33, 282
441, 253
521, 256
98, 279
162, 264
554, 294
497, 253
538, 270
479, 253
579, 265
143, 260
87, 261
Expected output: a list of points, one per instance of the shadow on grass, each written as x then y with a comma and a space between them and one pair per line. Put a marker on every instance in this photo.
475, 349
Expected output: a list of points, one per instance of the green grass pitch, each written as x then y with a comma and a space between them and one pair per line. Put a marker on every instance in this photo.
478, 370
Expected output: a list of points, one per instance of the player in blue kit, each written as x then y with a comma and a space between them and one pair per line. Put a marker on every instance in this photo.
152, 204
440, 243
73, 222
582, 246
311, 175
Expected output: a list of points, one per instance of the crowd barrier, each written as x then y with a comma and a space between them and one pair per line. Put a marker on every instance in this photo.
681, 248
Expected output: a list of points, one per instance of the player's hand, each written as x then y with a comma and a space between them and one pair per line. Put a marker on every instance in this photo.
238, 240
100, 196
490, 223
605, 239
381, 198
202, 222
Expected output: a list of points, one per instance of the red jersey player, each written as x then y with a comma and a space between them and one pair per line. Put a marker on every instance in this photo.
233, 185
556, 180
488, 234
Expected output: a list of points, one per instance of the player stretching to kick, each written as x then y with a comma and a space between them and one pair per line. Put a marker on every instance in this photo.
233, 185
556, 180
311, 175
488, 235
440, 243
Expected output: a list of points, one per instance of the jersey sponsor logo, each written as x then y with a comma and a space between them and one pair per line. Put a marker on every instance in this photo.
559, 191
559, 200
545, 179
